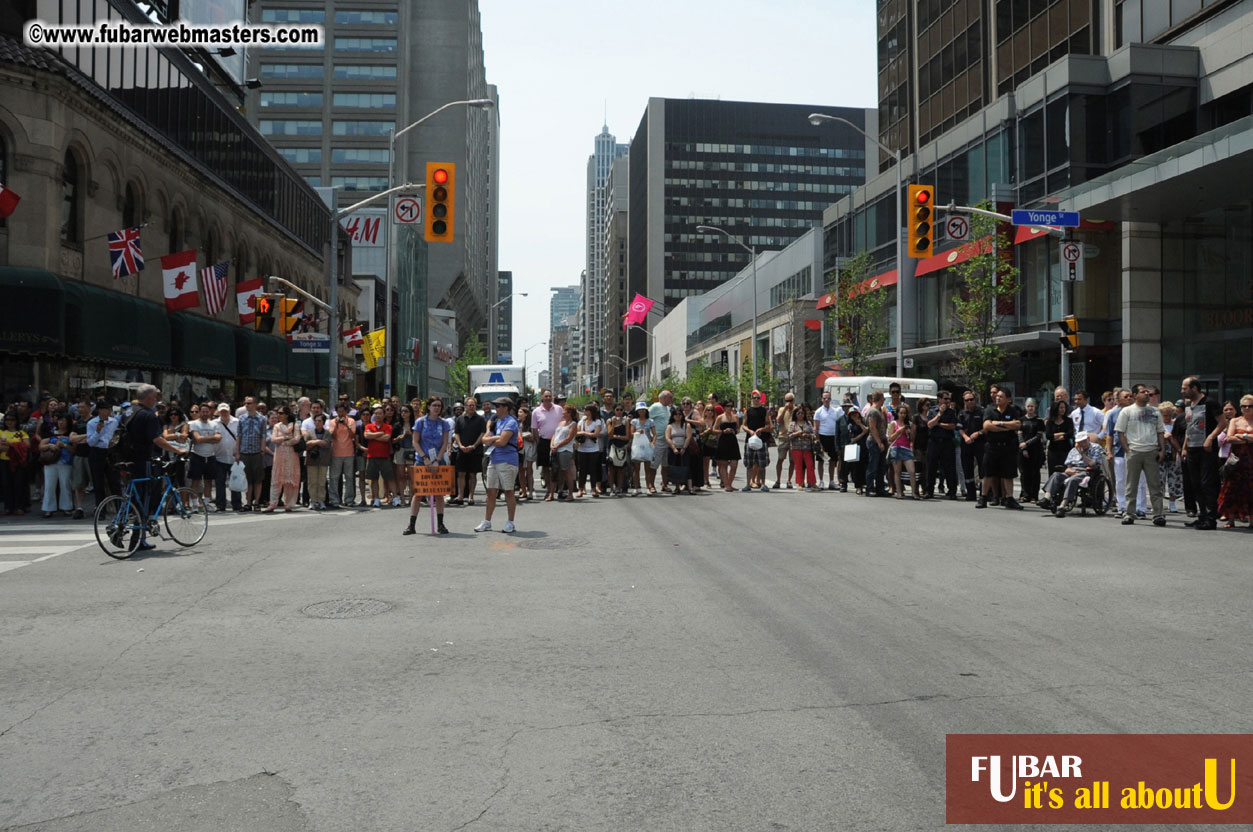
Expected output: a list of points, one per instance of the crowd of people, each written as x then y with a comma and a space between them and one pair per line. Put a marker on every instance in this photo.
255, 456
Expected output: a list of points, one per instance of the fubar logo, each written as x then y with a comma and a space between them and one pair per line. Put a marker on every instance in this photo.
1099, 778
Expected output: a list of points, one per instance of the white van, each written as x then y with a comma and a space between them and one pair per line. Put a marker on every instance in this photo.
860, 388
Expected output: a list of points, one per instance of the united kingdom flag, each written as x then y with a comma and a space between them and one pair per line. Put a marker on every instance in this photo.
125, 252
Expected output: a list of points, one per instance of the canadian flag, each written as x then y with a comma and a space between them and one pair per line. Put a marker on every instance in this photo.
8, 201
245, 291
353, 337
178, 272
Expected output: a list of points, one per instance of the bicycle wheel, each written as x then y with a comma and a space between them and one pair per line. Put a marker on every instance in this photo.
186, 520
117, 522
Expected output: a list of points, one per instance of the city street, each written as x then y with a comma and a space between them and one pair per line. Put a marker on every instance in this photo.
719, 662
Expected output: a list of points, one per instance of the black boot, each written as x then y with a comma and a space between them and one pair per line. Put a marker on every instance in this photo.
413, 520
442, 528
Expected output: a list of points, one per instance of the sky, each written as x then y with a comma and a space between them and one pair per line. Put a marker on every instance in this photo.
565, 67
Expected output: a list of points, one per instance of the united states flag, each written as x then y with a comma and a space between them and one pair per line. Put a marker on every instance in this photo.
125, 252
213, 278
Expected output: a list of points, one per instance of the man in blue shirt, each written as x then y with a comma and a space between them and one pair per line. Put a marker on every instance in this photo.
502, 469
251, 451
100, 428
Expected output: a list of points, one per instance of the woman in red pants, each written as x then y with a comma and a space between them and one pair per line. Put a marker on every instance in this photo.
803, 439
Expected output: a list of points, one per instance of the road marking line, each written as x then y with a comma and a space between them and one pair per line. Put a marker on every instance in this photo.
6, 565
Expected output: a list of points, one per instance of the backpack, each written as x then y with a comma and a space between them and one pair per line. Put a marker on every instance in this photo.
121, 448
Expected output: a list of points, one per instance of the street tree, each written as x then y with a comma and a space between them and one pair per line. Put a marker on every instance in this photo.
458, 374
857, 317
987, 286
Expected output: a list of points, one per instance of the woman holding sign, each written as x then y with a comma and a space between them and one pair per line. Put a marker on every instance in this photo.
431, 436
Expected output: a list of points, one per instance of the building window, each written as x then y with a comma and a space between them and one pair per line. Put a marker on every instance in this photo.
362, 128
371, 100
314, 181
70, 199
291, 99
176, 230
132, 210
356, 72
367, 16
293, 16
359, 155
301, 155
272, 127
365, 44
291, 71
359, 183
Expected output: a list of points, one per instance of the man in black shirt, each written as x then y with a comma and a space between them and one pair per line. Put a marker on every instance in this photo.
970, 427
143, 434
467, 438
1001, 422
941, 422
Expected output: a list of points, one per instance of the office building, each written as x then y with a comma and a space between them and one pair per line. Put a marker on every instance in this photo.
563, 314
563, 305
607, 149
614, 275
760, 171
1147, 139
329, 112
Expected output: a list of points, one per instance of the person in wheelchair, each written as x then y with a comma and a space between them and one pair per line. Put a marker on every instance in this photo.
1082, 467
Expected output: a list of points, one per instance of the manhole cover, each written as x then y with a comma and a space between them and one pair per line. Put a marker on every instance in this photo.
346, 608
554, 543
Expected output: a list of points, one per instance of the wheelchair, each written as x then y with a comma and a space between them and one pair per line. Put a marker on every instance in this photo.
1097, 495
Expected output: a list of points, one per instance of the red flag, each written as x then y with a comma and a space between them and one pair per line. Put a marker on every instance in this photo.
245, 291
638, 311
178, 273
8, 201
353, 337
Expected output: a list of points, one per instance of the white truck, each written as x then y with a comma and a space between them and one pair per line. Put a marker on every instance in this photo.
491, 381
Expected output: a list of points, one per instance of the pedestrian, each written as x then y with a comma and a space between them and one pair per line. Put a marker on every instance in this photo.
1235, 498
432, 438
285, 473
226, 454
1001, 422
562, 482
876, 445
468, 440
14, 455
252, 429
759, 425
941, 446
901, 450
303, 421
803, 436
642, 446
827, 426
783, 421
318, 461
544, 420
343, 431
530, 452
56, 452
1030, 453
378, 454
694, 416
1060, 431
1115, 456
175, 430
659, 413
271, 419
404, 455
205, 435
1143, 439
1172, 471
728, 452
365, 412
143, 433
970, 428
80, 468
502, 470
709, 441
1082, 462
619, 432
1061, 395
588, 454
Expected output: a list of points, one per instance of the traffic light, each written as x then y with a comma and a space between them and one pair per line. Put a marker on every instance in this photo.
290, 310
263, 317
441, 182
1070, 332
921, 220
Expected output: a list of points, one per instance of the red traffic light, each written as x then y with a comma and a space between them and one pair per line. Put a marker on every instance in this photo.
922, 197
440, 176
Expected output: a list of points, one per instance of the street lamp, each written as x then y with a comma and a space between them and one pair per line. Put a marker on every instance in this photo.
817, 120
524, 352
621, 372
491, 326
392, 135
332, 262
654, 349
753, 253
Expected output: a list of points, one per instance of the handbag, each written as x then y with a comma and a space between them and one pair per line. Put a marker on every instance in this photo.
239, 479
1229, 466
852, 453
618, 455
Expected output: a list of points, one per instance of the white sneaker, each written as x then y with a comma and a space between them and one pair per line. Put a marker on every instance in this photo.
509, 527
485, 526
376, 503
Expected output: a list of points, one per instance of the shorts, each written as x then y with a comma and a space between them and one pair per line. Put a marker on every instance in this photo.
784, 445
1000, 462
564, 460
201, 467
501, 476
403, 456
828, 446
899, 453
759, 458
543, 452
254, 467
469, 462
380, 466
80, 473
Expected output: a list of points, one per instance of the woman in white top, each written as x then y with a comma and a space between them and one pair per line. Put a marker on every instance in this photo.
588, 456
563, 456
678, 438
643, 435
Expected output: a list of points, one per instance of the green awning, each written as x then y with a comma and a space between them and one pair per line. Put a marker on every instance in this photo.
202, 345
104, 325
260, 357
32, 314
307, 369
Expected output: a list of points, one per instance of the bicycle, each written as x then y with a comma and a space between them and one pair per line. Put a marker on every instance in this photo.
121, 523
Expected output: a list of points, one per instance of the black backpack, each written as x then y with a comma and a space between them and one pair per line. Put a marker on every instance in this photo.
121, 448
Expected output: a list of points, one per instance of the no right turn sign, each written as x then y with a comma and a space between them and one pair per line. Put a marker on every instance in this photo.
1072, 261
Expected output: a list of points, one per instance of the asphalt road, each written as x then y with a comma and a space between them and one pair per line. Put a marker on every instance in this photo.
776, 661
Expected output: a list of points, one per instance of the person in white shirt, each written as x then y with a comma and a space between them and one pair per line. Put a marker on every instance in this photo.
827, 424
1087, 418
226, 454
204, 440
